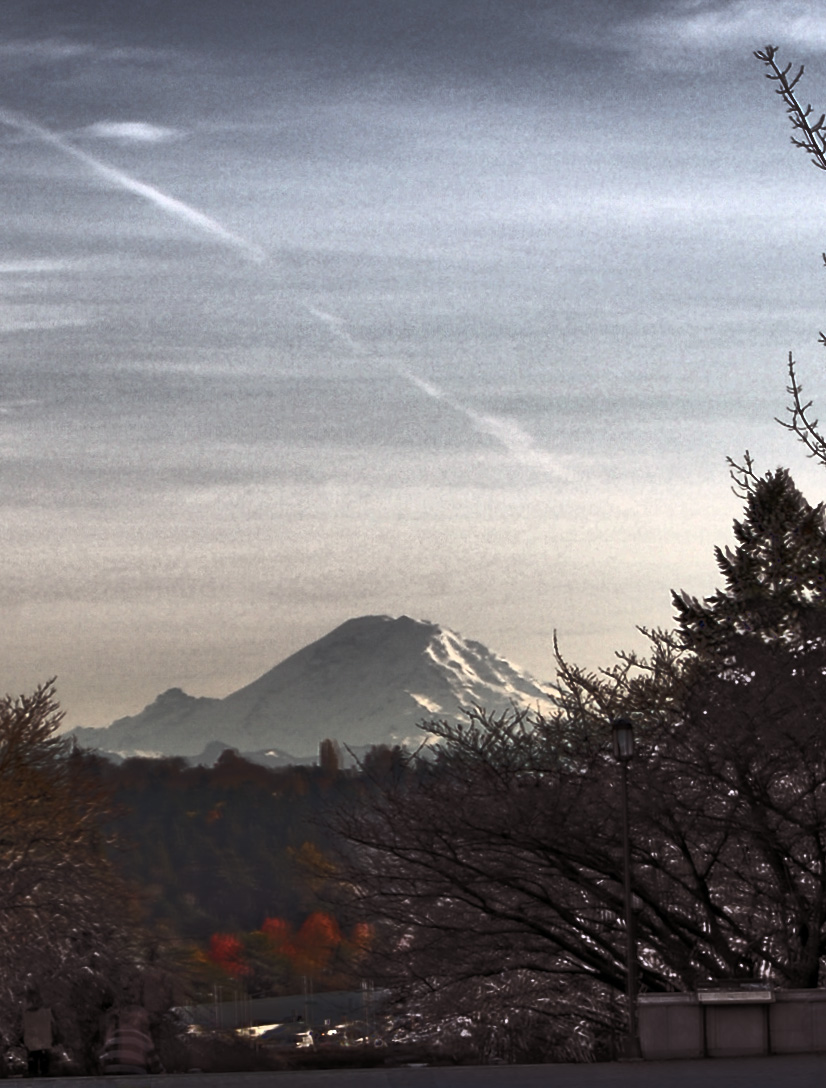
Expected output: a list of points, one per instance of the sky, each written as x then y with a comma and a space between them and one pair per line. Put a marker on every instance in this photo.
446, 308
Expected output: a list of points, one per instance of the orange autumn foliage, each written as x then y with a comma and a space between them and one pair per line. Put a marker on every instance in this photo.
280, 934
317, 940
361, 936
312, 947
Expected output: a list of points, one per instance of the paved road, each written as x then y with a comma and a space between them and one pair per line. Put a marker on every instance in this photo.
804, 1071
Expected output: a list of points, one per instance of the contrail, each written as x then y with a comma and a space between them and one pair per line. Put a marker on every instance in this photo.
336, 327
521, 445
176, 208
510, 435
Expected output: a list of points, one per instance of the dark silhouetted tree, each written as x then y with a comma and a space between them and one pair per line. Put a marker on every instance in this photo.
493, 870
65, 928
810, 136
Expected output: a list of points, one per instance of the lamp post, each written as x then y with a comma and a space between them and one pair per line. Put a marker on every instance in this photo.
623, 731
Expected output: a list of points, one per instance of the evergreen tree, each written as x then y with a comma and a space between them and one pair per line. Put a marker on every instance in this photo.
756, 712
775, 579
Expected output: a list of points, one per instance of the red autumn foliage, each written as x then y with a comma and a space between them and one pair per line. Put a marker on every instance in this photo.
280, 934
225, 951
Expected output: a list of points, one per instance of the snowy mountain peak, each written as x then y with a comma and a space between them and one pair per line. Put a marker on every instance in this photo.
369, 681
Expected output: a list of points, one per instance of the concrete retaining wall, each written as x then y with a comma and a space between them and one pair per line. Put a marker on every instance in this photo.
727, 1024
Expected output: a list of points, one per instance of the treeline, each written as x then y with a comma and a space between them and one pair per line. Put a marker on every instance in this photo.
217, 847
153, 882
231, 866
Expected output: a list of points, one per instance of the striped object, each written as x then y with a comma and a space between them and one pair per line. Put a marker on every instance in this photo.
128, 1050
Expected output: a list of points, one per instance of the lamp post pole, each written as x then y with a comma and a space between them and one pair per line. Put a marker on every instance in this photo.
623, 731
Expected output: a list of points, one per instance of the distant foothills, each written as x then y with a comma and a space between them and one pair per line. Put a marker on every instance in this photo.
369, 682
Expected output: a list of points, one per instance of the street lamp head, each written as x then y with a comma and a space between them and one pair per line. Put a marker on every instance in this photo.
623, 731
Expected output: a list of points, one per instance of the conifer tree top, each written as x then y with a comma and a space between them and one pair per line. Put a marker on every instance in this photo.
775, 578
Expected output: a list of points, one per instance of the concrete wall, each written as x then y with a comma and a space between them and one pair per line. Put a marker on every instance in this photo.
671, 1026
798, 1022
720, 1024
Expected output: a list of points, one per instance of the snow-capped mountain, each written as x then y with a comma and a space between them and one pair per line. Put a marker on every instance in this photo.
370, 681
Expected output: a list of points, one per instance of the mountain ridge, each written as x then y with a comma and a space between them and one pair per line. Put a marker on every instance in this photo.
368, 681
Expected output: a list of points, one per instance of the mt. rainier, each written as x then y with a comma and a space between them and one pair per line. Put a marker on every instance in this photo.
370, 681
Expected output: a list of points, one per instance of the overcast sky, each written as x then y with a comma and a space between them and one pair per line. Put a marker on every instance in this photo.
319, 308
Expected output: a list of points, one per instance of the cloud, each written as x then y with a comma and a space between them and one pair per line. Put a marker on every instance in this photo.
53, 50
139, 132
690, 34
713, 26
32, 266
517, 442
9, 407
51, 319
43, 50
